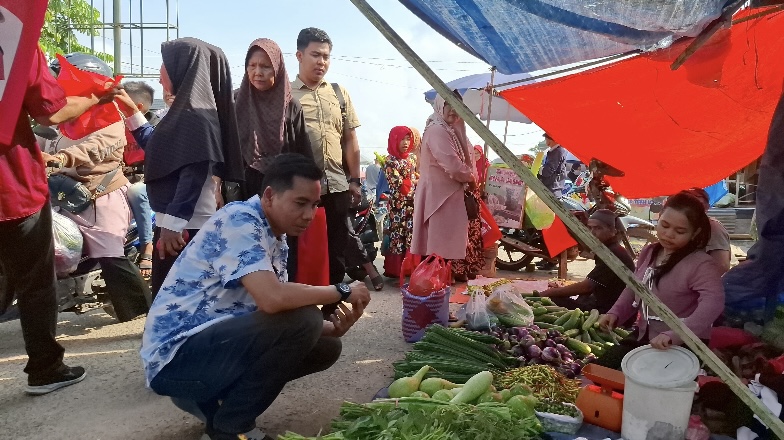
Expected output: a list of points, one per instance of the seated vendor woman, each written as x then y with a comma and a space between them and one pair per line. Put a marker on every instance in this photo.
679, 272
227, 331
602, 287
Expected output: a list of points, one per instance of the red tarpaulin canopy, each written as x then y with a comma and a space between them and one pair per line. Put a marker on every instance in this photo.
669, 130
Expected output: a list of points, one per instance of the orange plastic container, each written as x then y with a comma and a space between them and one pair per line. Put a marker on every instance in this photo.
602, 404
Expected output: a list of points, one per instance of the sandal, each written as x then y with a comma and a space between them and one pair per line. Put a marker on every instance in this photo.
378, 283
145, 265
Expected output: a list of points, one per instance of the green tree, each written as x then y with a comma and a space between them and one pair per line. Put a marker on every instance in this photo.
541, 146
64, 20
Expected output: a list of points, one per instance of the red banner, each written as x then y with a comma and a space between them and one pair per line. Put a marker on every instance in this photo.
20, 27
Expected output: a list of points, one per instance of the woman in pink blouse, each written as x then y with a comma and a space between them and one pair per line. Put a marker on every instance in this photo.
679, 272
447, 178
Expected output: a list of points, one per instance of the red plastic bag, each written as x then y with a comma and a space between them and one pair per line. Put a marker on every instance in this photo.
410, 262
777, 364
432, 274
490, 231
313, 252
133, 153
77, 82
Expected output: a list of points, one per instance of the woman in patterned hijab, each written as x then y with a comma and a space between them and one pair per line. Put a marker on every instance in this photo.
270, 121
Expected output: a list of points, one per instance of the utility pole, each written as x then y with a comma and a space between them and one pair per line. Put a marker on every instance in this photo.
117, 23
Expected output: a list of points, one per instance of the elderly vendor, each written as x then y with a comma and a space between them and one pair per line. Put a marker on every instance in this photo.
601, 288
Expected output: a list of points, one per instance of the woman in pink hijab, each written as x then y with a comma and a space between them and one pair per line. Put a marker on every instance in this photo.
400, 172
447, 180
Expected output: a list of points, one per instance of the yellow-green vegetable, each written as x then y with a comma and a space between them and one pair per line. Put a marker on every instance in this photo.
486, 397
433, 384
506, 394
445, 395
405, 386
420, 394
474, 387
521, 390
520, 407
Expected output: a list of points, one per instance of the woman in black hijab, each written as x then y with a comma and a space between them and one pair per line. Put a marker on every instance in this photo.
191, 149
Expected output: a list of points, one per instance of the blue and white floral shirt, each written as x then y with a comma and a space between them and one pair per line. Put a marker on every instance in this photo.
203, 287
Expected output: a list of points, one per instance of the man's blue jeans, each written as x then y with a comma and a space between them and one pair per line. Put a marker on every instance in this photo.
244, 362
142, 213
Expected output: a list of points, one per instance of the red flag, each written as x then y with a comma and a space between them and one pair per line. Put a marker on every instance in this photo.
557, 238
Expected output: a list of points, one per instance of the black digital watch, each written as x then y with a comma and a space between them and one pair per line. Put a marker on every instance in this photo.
344, 290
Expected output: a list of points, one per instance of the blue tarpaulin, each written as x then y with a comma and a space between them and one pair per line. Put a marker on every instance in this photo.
520, 36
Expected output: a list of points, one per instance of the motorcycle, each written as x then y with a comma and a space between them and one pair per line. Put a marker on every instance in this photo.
365, 223
83, 289
589, 193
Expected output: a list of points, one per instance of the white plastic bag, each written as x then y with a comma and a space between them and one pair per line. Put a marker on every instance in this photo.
477, 317
68, 242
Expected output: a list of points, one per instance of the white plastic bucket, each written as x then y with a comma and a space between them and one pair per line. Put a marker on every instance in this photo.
659, 392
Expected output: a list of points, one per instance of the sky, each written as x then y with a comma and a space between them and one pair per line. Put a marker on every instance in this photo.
385, 90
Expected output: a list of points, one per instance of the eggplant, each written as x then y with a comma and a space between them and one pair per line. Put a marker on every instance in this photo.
551, 354
590, 358
562, 349
534, 352
518, 350
527, 341
550, 343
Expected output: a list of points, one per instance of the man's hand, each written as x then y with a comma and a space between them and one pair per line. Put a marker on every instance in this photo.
360, 297
110, 94
170, 242
356, 193
342, 320
549, 292
126, 104
661, 342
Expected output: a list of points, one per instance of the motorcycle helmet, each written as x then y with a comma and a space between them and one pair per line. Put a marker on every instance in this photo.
83, 61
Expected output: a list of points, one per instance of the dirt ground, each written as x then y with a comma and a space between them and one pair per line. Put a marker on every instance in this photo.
113, 403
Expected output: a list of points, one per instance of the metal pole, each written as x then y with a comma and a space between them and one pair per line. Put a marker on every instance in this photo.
661, 310
117, 18
141, 34
490, 90
168, 20
92, 29
506, 128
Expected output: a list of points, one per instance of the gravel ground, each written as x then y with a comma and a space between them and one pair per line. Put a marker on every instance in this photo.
113, 403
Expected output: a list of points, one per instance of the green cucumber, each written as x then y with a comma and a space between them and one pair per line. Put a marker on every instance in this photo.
548, 302
562, 320
539, 311
591, 319
574, 320
595, 336
577, 346
547, 318
621, 332
547, 326
572, 333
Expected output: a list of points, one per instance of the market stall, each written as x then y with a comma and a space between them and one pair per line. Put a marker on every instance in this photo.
517, 366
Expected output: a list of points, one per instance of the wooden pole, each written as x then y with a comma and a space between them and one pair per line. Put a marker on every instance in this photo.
691, 340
